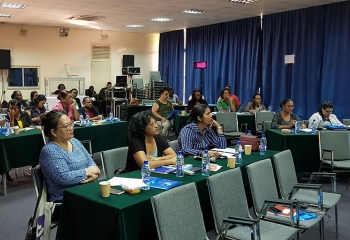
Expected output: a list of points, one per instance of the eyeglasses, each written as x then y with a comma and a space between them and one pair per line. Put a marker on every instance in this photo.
290, 106
68, 127
329, 111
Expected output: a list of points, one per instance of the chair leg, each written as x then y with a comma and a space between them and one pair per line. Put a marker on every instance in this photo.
347, 186
336, 220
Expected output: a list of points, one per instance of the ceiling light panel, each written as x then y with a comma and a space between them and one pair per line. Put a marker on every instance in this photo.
12, 5
195, 11
134, 26
6, 15
243, 1
160, 19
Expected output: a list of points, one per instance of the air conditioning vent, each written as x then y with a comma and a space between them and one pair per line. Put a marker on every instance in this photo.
86, 18
100, 52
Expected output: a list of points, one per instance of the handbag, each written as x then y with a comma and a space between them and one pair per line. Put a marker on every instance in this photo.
250, 140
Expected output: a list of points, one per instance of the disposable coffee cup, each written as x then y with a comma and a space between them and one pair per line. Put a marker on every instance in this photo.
105, 188
231, 162
100, 116
183, 113
15, 130
248, 149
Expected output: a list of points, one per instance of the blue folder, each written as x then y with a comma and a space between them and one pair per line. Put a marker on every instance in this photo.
332, 127
162, 183
172, 114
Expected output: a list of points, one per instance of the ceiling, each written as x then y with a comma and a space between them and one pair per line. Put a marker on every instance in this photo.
117, 14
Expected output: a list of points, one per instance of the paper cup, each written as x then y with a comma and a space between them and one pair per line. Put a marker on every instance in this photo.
105, 188
100, 116
231, 162
183, 113
16, 131
248, 149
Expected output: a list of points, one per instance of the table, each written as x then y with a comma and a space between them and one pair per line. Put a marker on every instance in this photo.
86, 215
304, 148
181, 121
24, 149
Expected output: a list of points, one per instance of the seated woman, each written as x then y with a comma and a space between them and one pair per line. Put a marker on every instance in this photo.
324, 116
198, 134
74, 93
16, 116
67, 103
37, 109
60, 87
161, 109
225, 103
196, 98
89, 109
146, 143
255, 105
63, 160
285, 118
33, 94
18, 95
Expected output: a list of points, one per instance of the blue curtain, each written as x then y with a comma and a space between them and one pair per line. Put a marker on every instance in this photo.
336, 65
231, 51
171, 59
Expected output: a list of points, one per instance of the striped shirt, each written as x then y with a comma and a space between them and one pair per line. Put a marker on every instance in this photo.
192, 142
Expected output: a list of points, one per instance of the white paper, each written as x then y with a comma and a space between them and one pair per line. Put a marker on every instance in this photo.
129, 182
28, 128
226, 150
306, 130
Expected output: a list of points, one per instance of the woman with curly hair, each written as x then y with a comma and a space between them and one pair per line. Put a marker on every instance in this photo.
146, 143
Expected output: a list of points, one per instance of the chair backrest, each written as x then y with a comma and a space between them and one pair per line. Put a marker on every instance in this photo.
338, 141
114, 159
38, 179
262, 183
178, 214
173, 145
242, 109
45, 139
346, 122
227, 196
260, 117
285, 172
267, 125
228, 120
4, 110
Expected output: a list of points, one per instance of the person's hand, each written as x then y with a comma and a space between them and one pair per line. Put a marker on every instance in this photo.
180, 103
90, 178
214, 123
11, 114
163, 119
92, 170
73, 102
292, 123
214, 154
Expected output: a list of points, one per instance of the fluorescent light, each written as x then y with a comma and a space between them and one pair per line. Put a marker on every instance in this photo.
160, 19
244, 1
195, 11
12, 5
6, 15
134, 26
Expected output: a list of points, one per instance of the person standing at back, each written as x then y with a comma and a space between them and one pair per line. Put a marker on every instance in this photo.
104, 95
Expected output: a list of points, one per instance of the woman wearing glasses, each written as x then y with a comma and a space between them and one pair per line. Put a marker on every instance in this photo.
284, 118
324, 116
63, 160
67, 104
146, 143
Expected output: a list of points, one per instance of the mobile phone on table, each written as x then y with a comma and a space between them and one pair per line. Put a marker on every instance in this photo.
116, 191
275, 210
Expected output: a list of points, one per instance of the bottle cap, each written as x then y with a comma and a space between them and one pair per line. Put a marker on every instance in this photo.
238, 142
205, 151
145, 162
179, 152
263, 135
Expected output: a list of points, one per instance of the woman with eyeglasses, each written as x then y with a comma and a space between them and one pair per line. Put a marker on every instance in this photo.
284, 118
146, 143
63, 160
324, 116
67, 104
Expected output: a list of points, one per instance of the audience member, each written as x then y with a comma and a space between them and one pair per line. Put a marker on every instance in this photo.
74, 93
324, 116
161, 109
103, 96
233, 98
59, 88
146, 143
63, 160
37, 109
33, 94
197, 98
255, 105
67, 104
90, 92
173, 98
18, 95
198, 134
16, 116
285, 118
224, 102
89, 109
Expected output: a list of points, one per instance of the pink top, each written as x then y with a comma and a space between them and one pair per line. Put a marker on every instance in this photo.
59, 106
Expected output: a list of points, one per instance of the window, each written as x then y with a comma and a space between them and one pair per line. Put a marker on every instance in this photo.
22, 77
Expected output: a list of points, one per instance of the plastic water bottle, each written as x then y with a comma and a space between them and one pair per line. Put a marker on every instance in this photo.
263, 145
270, 109
205, 164
81, 119
110, 116
238, 153
313, 127
259, 108
180, 164
22, 108
228, 109
87, 119
249, 132
146, 174
47, 107
220, 109
7, 126
297, 127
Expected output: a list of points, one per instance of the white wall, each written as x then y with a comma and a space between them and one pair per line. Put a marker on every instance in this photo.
43, 47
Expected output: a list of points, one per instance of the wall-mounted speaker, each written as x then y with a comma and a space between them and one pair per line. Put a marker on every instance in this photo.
128, 60
5, 59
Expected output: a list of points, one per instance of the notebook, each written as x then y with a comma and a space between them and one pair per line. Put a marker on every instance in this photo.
163, 170
164, 184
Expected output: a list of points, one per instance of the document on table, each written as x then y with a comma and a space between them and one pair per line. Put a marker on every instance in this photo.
306, 130
130, 182
226, 150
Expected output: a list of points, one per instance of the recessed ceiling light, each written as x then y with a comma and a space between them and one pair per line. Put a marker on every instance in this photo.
12, 5
244, 1
134, 26
195, 11
6, 15
160, 19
